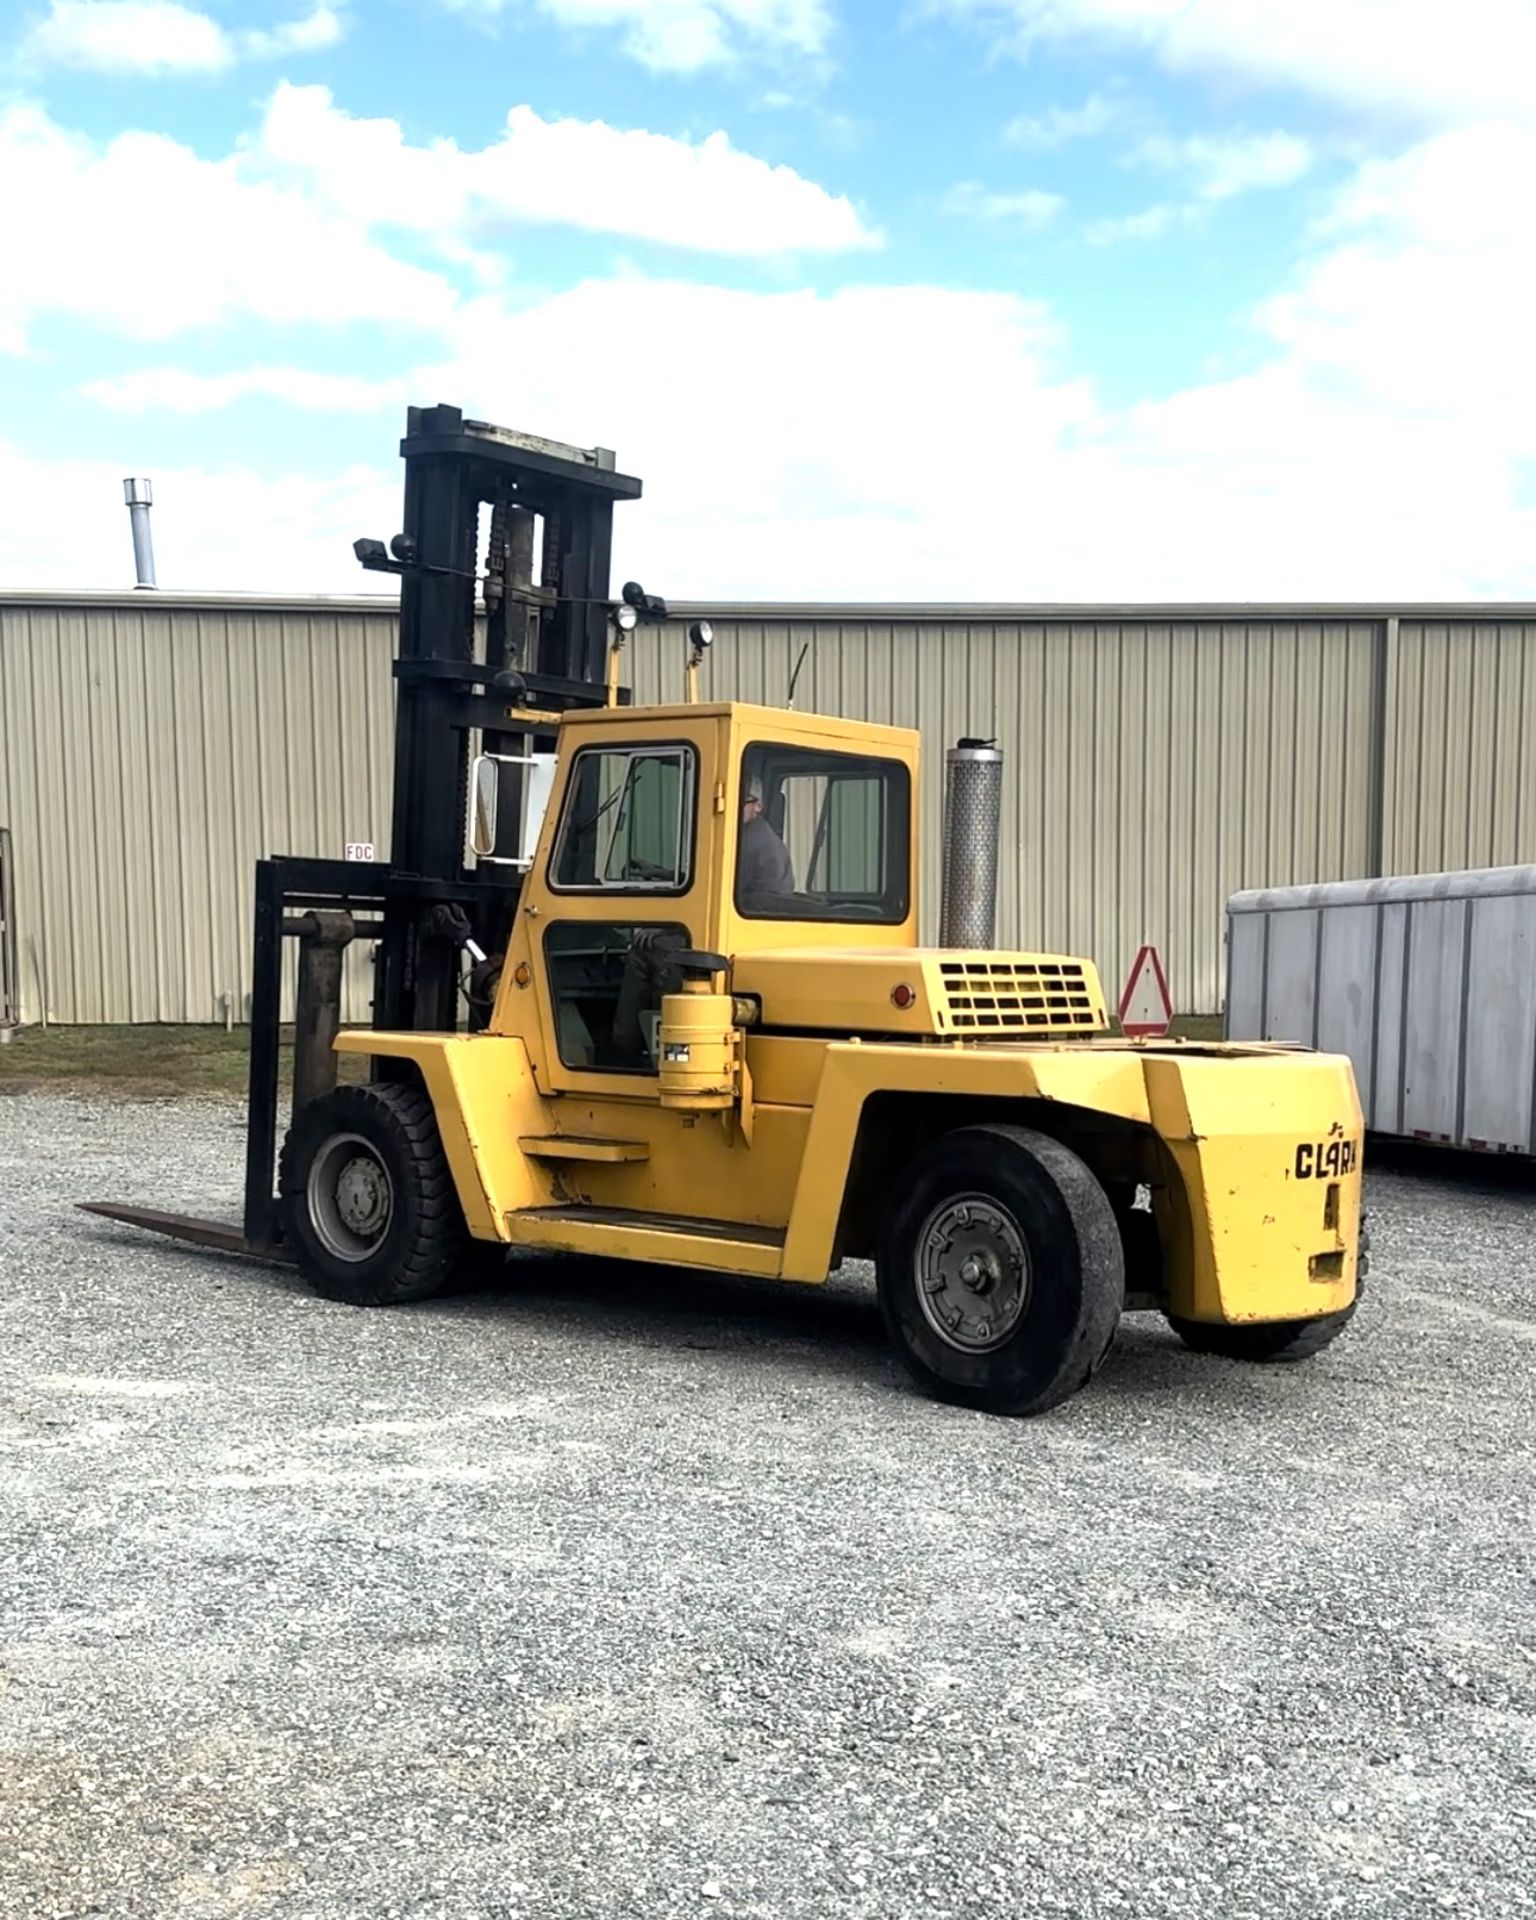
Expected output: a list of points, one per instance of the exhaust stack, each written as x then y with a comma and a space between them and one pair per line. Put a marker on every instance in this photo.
139, 497
973, 795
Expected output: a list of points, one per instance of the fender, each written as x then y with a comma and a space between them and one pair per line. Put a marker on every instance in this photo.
482, 1091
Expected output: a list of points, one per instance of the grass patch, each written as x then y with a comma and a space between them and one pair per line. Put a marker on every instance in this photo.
143, 1063
1197, 1026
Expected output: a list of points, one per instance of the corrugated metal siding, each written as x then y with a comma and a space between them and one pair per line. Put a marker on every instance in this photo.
1460, 730
151, 749
1152, 768
149, 755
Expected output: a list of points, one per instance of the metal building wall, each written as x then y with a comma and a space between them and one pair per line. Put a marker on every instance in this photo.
151, 750
1153, 766
1460, 743
1159, 759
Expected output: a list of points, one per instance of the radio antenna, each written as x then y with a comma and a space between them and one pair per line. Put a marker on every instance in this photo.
794, 678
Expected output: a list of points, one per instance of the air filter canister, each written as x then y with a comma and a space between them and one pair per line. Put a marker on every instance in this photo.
973, 795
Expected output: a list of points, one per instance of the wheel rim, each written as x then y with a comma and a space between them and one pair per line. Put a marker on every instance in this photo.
351, 1197
972, 1273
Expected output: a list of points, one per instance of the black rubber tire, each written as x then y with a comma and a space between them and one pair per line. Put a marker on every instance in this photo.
1265, 1341
482, 1263
425, 1238
1076, 1270
1277, 1340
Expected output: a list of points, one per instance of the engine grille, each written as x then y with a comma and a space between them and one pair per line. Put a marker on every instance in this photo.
993, 995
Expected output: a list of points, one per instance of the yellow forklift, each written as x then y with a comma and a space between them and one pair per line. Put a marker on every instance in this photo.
650, 987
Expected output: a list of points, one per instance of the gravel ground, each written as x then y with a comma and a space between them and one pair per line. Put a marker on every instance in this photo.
609, 1594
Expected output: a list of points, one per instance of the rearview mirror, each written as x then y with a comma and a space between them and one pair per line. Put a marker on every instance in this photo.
507, 836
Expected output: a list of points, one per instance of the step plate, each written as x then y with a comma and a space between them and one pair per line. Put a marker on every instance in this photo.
575, 1146
617, 1233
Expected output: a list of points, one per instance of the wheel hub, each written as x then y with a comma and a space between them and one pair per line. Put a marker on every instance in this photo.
979, 1273
351, 1197
362, 1195
972, 1273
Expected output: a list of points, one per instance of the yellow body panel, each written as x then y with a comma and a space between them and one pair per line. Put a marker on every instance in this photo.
1241, 1231
1262, 1243
1252, 1154
482, 1091
852, 992
698, 1166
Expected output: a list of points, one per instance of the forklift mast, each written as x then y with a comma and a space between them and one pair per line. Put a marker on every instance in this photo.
494, 644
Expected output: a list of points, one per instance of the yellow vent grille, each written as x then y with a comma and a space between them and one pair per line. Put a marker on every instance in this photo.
993, 995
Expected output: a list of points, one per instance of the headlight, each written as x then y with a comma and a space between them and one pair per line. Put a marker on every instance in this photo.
702, 634
625, 618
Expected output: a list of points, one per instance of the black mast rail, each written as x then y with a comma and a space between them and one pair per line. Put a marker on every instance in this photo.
492, 641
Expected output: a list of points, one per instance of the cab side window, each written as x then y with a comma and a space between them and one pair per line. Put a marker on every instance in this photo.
628, 822
823, 836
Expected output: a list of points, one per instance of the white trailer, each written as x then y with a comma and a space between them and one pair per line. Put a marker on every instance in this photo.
1427, 981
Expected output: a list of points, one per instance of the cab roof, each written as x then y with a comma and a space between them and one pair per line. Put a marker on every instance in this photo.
744, 713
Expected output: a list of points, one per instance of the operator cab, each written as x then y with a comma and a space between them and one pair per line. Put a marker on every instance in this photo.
720, 827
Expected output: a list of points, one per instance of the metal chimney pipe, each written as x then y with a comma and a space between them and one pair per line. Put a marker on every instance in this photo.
973, 797
139, 497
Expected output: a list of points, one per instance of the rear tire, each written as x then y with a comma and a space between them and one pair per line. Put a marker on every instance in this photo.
1264, 1341
1001, 1273
366, 1200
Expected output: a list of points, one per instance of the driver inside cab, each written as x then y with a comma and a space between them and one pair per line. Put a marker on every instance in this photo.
765, 874
763, 867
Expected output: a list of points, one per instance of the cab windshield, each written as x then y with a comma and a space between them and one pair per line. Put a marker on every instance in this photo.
628, 821
823, 836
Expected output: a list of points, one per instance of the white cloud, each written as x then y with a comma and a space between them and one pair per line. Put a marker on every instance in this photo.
1058, 125
154, 37
1404, 408
1217, 169
708, 195
313, 34
1224, 166
1463, 191
128, 36
684, 36
149, 240
1030, 210
1380, 444
171, 390
1151, 223
145, 239
221, 526
1398, 56
1420, 295
1376, 449
776, 466
763, 426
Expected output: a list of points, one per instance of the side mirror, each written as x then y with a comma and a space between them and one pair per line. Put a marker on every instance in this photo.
509, 843
485, 793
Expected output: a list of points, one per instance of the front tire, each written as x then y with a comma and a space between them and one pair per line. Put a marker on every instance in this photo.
366, 1200
1001, 1272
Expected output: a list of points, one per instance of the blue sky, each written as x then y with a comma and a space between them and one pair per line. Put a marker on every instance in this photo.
968, 299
